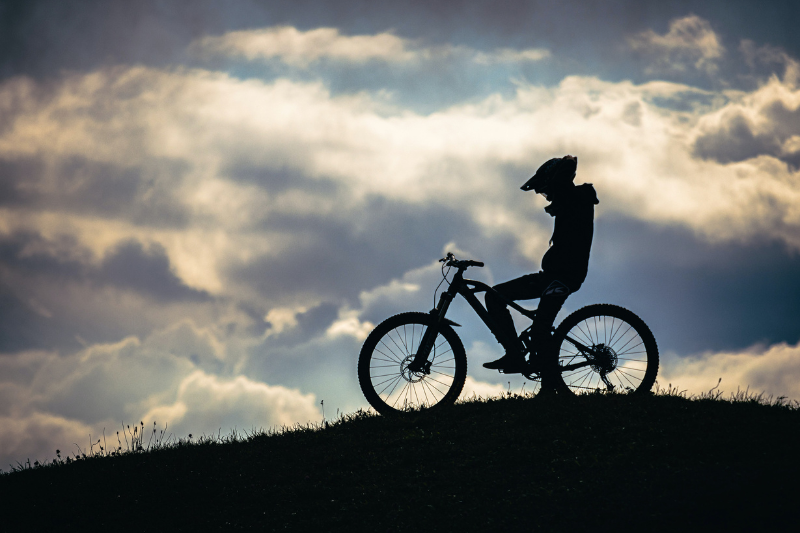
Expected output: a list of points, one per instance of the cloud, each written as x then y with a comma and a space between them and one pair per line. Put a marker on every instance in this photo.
481, 389
349, 324
302, 48
130, 265
774, 370
368, 151
205, 403
690, 43
38, 436
759, 57
173, 237
291, 196
510, 55
765, 122
183, 376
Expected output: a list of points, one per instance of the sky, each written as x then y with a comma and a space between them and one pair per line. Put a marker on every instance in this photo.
205, 207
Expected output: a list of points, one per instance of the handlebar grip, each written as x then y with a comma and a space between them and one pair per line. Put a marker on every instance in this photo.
477, 263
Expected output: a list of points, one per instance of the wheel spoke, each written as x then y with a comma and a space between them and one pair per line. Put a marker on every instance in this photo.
432, 390
396, 381
402, 391
586, 336
432, 386
626, 378
614, 333
619, 343
389, 350
640, 343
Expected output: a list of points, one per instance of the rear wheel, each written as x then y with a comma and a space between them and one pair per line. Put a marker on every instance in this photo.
383, 373
605, 347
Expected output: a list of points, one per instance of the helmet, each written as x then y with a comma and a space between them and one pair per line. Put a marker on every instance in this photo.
553, 175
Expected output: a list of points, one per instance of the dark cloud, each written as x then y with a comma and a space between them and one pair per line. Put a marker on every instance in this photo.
323, 366
145, 195
129, 265
61, 258
41, 38
310, 325
736, 139
21, 327
277, 180
696, 296
335, 260
685, 101
52, 296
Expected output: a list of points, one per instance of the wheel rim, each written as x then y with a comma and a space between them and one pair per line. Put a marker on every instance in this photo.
395, 385
617, 359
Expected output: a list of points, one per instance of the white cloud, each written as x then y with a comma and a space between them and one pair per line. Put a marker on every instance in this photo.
37, 436
349, 324
246, 162
283, 318
770, 56
207, 403
181, 376
774, 370
481, 389
690, 43
639, 156
511, 55
765, 121
303, 48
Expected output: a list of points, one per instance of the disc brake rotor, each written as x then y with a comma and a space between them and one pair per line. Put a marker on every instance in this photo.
411, 377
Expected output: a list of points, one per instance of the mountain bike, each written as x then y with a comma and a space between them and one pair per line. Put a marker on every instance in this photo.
414, 360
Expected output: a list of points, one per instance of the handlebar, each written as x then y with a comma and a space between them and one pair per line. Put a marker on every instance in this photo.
451, 260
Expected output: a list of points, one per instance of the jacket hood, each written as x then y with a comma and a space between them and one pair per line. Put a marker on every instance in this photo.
580, 194
585, 193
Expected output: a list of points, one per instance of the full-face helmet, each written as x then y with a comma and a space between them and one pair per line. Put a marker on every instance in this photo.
552, 176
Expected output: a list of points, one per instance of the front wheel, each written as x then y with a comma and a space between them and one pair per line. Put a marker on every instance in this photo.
383, 373
605, 347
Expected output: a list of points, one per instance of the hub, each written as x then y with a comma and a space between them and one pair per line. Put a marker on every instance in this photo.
412, 375
604, 359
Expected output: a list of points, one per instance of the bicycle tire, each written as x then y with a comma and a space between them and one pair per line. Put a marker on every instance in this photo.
624, 349
388, 350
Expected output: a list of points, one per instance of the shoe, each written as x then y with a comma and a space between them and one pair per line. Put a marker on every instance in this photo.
508, 364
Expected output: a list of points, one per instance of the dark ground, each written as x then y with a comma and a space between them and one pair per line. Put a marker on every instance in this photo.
597, 463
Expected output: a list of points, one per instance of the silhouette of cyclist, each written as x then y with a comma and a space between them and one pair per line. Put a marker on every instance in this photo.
564, 265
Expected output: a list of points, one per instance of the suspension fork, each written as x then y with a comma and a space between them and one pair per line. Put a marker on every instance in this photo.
421, 362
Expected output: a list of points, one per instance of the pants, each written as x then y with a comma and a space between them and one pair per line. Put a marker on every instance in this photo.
552, 291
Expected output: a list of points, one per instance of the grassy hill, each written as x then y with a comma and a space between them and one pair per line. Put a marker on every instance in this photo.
596, 463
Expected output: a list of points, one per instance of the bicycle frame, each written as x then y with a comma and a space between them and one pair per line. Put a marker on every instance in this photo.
468, 288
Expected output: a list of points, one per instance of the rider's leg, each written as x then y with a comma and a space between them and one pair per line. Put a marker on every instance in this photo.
550, 303
523, 288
